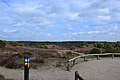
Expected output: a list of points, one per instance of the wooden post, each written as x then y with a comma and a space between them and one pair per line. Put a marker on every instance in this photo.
68, 66
98, 56
100, 50
73, 62
84, 58
77, 76
76, 72
113, 56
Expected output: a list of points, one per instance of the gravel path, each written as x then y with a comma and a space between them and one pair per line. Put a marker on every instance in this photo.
36, 74
104, 69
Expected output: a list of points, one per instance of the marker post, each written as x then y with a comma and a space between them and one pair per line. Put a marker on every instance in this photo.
26, 68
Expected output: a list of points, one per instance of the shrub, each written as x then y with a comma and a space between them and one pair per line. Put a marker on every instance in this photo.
99, 45
21, 44
72, 48
95, 51
2, 44
45, 47
36, 60
84, 45
40, 46
27, 54
69, 52
59, 64
33, 66
1, 76
11, 64
16, 44
3, 61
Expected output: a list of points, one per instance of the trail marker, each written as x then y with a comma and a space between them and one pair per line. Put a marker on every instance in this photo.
26, 68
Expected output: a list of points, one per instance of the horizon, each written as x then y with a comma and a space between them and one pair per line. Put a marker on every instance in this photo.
58, 41
60, 20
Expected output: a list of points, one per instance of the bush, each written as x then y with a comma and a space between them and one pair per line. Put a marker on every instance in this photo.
95, 51
99, 45
70, 52
59, 64
72, 48
40, 46
11, 64
84, 45
1, 76
3, 62
27, 54
36, 60
45, 47
16, 44
2, 44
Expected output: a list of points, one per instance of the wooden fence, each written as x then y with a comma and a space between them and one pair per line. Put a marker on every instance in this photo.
77, 76
72, 61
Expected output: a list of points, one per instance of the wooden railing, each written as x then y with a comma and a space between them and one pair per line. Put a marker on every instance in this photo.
72, 61
77, 76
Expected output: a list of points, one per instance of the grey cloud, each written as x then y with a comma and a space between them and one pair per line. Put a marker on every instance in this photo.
34, 18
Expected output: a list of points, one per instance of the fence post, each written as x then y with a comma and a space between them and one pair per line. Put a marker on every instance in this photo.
76, 72
68, 66
73, 62
113, 56
84, 58
98, 56
77, 76
26, 68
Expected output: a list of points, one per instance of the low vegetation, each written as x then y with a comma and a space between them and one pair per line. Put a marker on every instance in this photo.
3, 78
95, 51
110, 47
16, 44
2, 44
41, 53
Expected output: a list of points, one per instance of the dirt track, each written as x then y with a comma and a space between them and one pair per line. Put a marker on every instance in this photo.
104, 69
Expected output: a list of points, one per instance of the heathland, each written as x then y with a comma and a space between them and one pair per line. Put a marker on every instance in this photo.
50, 55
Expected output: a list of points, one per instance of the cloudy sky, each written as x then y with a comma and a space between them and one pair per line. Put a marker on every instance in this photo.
60, 20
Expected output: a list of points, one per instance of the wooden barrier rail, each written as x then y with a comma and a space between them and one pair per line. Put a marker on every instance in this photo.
77, 76
72, 61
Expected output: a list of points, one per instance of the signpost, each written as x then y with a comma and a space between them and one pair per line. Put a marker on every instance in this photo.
26, 68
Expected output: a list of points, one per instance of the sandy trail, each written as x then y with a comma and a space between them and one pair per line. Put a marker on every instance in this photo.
104, 69
36, 74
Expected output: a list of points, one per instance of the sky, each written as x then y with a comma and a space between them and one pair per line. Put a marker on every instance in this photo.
60, 20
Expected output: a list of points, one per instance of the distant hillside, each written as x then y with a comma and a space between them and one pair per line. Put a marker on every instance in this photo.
66, 45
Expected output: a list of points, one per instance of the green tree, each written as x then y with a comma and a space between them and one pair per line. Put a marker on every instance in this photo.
2, 44
99, 45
